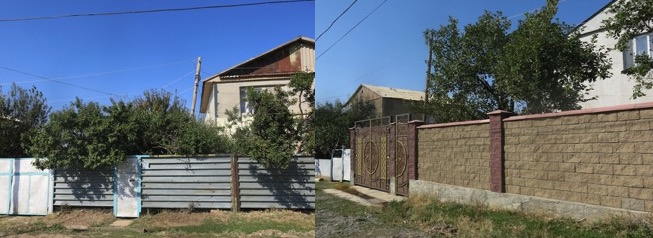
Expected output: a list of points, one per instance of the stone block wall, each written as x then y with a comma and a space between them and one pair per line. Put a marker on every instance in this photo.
455, 154
602, 158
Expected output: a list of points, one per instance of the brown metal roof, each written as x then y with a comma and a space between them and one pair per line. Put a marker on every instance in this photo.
388, 92
226, 75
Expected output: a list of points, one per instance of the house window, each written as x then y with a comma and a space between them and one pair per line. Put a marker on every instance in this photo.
245, 108
641, 45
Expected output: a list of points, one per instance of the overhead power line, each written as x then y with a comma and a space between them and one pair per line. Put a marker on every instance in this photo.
152, 10
334, 21
343, 36
57, 81
99, 73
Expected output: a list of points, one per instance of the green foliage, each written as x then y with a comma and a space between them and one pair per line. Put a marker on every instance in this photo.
630, 19
88, 135
270, 138
80, 135
540, 67
301, 84
333, 123
275, 134
22, 112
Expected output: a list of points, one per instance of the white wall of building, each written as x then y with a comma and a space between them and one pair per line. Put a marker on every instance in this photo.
618, 89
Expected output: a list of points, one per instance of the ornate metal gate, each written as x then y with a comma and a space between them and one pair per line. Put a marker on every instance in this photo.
401, 154
372, 153
381, 154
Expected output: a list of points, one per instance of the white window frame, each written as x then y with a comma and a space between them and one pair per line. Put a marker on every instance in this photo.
631, 50
245, 109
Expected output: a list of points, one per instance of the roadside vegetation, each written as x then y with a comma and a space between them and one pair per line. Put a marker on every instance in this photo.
166, 223
426, 217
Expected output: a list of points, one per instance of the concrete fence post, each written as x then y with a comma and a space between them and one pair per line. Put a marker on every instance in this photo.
413, 138
352, 154
497, 140
235, 184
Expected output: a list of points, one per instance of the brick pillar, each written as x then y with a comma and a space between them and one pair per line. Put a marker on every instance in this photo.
352, 154
412, 148
392, 142
497, 140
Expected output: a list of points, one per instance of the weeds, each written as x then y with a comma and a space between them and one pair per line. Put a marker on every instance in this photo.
433, 218
345, 187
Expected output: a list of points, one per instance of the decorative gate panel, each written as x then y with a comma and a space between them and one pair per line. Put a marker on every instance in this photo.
401, 154
372, 153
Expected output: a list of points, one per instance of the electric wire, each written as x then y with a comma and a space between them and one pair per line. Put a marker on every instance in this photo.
334, 21
57, 81
152, 10
96, 74
350, 30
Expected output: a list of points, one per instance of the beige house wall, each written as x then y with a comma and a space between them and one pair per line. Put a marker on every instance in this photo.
228, 97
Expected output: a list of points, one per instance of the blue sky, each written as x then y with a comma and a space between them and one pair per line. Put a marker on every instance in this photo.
148, 51
388, 48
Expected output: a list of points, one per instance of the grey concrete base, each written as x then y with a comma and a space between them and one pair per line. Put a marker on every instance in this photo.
380, 195
393, 186
472, 196
349, 197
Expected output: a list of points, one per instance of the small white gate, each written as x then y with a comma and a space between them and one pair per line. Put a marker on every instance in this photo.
340, 166
25, 189
127, 188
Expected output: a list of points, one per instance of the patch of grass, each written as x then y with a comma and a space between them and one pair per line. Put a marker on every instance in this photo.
326, 201
240, 226
15, 228
434, 218
475, 221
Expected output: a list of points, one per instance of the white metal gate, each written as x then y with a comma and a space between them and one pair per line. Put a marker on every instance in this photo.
24, 189
341, 166
127, 188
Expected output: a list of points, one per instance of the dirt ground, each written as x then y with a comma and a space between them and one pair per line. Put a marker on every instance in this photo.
96, 223
336, 217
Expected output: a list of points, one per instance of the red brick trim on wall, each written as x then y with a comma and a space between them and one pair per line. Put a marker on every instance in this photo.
497, 175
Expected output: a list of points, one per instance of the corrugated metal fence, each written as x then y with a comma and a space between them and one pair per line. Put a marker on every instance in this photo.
290, 188
177, 182
83, 188
196, 182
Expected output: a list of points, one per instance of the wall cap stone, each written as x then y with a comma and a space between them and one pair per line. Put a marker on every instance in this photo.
450, 124
626, 107
499, 112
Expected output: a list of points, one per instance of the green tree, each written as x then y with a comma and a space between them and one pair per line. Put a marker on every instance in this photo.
89, 135
630, 19
333, 122
275, 134
301, 84
22, 112
540, 67
80, 135
271, 136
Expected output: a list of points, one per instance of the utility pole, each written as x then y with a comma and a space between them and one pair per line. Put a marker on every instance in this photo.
197, 81
428, 69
